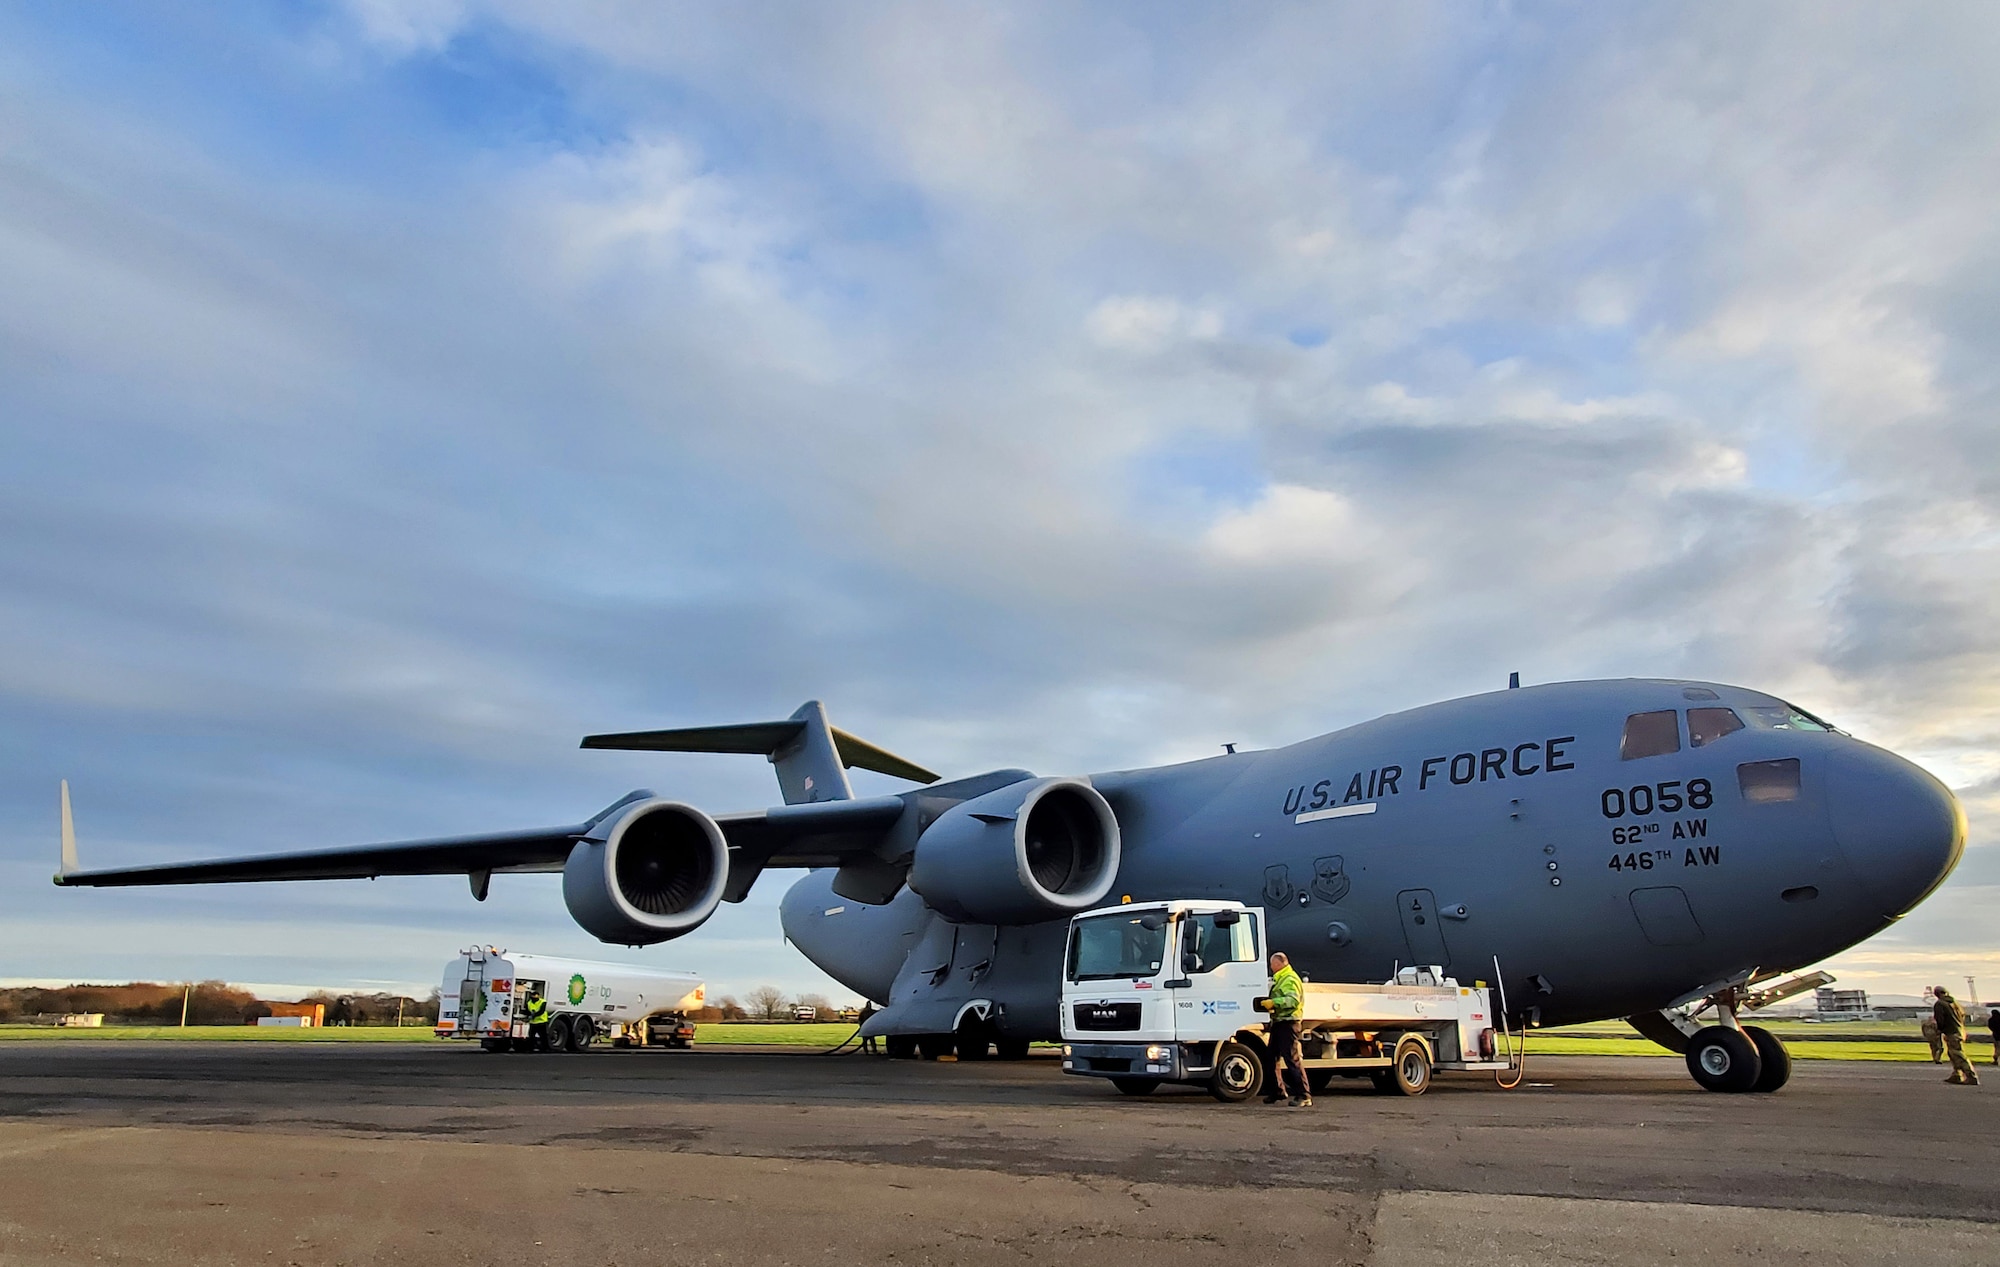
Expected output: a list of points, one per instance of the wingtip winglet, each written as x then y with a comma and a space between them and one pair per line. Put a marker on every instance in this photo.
68, 865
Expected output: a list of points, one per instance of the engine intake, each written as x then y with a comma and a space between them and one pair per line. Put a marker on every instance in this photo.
1036, 850
656, 873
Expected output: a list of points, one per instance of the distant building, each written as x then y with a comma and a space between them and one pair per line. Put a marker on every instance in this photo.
310, 1015
1842, 1005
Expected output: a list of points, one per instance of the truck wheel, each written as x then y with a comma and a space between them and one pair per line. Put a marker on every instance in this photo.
495, 1044
555, 1034
1384, 1080
582, 1033
1413, 1067
1239, 1073
1774, 1062
1724, 1059
1012, 1048
1318, 1080
1136, 1086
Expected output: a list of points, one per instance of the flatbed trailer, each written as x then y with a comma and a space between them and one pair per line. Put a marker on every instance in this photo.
1173, 992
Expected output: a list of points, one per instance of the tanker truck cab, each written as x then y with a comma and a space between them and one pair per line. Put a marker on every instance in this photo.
1170, 992
1157, 992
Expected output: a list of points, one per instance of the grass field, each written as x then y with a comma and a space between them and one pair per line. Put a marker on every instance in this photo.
221, 1033
1880, 1040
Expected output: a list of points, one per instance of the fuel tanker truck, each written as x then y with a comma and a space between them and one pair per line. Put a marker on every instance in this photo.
511, 1002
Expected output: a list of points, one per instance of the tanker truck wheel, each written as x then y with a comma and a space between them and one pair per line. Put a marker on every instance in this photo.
580, 1034
495, 1044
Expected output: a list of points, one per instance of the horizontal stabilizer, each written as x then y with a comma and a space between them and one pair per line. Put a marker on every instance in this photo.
786, 743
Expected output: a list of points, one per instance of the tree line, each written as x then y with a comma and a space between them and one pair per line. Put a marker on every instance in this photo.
208, 1003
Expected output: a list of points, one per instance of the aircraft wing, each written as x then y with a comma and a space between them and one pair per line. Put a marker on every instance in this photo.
824, 834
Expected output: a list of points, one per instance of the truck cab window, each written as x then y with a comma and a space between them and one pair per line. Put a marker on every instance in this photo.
1213, 947
1650, 735
1117, 946
1706, 725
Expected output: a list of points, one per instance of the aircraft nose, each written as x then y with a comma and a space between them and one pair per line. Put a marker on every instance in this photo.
1901, 828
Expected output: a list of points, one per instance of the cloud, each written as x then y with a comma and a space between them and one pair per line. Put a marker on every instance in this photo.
1068, 388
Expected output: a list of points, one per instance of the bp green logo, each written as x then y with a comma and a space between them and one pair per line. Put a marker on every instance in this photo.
576, 988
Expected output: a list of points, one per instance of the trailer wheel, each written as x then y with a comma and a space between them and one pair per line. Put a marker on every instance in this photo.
495, 1044
1384, 1080
1239, 1073
582, 1033
1413, 1067
554, 1036
1136, 1086
1318, 1080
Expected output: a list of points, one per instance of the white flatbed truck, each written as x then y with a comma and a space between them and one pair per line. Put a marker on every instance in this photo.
485, 997
1171, 991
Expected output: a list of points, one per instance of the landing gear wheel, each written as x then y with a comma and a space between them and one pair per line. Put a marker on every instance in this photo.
1412, 1074
1136, 1086
974, 1040
1012, 1048
1775, 1061
1239, 1073
900, 1046
581, 1034
934, 1046
1724, 1059
495, 1044
1318, 1080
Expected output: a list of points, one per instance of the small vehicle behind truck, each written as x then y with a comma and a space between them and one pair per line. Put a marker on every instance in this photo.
1173, 992
486, 993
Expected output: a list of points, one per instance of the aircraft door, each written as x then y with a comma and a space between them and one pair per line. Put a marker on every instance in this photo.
1421, 930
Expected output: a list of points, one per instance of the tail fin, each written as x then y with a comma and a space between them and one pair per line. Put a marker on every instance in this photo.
812, 756
69, 864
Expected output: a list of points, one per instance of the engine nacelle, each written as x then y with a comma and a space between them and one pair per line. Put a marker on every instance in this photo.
653, 873
1036, 850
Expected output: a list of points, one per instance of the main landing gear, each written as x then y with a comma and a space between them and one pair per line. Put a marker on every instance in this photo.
1726, 1055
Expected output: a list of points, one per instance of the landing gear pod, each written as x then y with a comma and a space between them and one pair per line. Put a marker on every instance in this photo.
1035, 850
656, 873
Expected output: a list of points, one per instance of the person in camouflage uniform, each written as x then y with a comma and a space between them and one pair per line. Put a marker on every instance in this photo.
1951, 1027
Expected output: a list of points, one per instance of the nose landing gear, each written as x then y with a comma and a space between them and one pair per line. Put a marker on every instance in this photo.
1724, 1056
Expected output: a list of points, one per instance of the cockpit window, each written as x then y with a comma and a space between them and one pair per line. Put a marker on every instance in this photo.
1650, 735
1782, 716
1769, 780
1212, 946
1706, 725
1117, 946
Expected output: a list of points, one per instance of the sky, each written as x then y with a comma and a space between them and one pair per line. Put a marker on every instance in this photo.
394, 391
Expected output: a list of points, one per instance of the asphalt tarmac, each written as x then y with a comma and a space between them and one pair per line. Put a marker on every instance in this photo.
258, 1153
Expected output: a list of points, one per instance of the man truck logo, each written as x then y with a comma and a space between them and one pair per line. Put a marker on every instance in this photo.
576, 988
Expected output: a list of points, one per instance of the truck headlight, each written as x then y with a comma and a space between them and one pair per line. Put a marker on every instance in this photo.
1066, 1051
1158, 1053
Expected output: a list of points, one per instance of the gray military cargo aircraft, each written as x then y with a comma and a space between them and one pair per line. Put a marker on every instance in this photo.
1640, 849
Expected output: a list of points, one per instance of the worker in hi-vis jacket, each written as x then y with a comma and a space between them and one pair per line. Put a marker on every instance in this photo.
1287, 999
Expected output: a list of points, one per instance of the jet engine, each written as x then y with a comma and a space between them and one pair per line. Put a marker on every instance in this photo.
653, 873
1035, 850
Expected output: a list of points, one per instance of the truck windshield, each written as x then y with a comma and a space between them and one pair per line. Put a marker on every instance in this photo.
1117, 946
